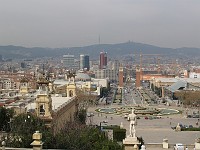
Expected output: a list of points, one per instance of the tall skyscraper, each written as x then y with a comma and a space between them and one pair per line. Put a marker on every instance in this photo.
103, 60
84, 62
1, 58
68, 61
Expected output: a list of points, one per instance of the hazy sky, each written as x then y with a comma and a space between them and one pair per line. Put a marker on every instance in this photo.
66, 23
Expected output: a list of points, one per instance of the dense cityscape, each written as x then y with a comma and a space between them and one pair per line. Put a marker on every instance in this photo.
51, 95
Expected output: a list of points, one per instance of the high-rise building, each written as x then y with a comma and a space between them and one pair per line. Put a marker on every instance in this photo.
23, 65
68, 61
116, 64
84, 62
1, 58
103, 60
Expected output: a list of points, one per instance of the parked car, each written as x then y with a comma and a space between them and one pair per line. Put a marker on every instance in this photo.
179, 146
173, 128
190, 126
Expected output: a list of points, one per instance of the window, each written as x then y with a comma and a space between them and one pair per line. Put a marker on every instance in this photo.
42, 110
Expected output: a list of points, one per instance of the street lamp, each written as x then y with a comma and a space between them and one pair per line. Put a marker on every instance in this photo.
102, 122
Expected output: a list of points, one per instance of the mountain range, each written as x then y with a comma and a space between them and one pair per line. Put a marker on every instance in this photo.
113, 51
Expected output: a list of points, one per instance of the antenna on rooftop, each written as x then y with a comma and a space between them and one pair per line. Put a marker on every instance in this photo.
99, 39
43, 69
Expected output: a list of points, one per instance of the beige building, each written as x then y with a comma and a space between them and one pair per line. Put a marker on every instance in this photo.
107, 73
54, 109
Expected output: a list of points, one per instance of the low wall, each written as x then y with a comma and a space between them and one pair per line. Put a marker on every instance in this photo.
160, 145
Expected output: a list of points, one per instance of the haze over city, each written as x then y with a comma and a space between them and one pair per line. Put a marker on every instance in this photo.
100, 74
61, 23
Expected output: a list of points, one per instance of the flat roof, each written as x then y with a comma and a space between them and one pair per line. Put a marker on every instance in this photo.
167, 79
57, 103
189, 80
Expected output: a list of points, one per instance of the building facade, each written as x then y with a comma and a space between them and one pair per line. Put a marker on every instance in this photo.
112, 75
194, 75
68, 61
84, 62
103, 60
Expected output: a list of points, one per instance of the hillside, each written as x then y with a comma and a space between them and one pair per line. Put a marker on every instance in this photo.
113, 50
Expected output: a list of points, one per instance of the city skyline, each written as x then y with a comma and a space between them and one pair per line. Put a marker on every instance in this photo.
60, 23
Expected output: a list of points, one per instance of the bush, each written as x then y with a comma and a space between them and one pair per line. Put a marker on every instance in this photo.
190, 129
111, 127
119, 134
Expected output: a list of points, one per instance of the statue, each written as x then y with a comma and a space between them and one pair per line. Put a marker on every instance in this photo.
133, 122
71, 75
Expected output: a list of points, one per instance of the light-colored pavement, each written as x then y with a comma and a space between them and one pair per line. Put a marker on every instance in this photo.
155, 130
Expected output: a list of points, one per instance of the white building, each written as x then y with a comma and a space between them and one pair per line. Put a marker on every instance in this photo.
194, 75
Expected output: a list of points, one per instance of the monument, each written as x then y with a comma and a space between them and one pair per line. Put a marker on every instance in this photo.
71, 86
131, 141
178, 128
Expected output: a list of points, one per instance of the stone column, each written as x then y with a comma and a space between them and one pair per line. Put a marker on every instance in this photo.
135, 147
165, 143
37, 143
163, 92
197, 144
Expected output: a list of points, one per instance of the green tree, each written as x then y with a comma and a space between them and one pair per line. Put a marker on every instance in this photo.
75, 135
82, 137
23, 126
188, 97
6, 116
104, 91
82, 116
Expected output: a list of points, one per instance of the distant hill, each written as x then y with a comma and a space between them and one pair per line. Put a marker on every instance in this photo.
113, 50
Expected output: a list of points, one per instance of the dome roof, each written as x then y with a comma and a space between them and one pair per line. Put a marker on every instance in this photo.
82, 76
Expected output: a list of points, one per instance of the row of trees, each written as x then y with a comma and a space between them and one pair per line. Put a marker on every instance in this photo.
191, 98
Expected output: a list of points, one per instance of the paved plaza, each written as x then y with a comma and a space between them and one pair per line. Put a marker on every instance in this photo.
152, 131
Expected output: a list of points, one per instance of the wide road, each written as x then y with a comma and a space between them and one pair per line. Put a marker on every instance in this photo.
131, 96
